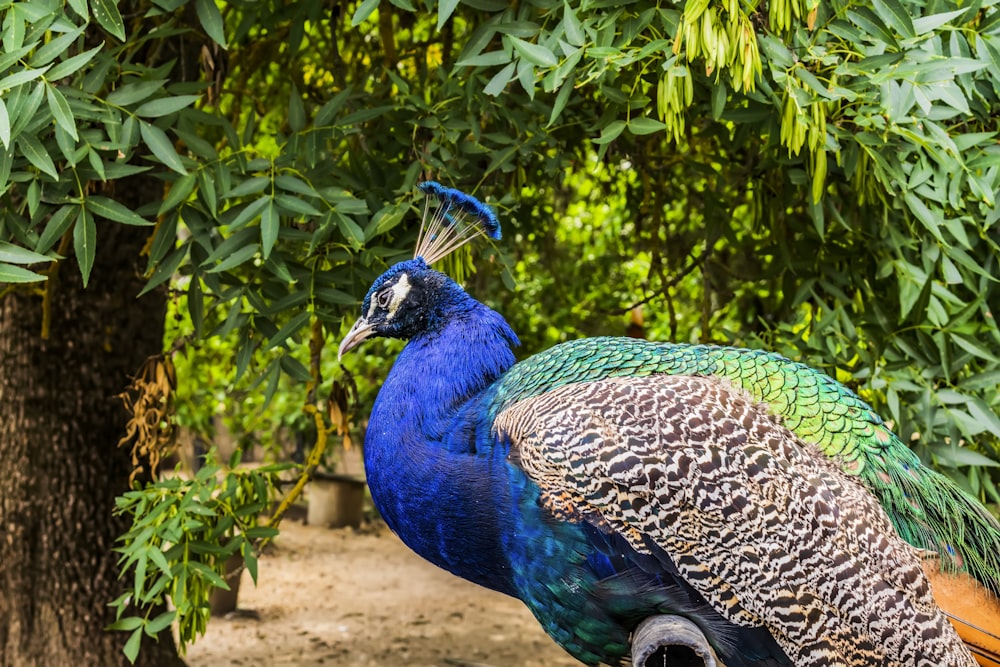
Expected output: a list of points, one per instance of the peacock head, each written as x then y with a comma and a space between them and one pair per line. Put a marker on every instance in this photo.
407, 299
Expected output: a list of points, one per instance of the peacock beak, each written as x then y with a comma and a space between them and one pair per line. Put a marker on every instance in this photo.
358, 333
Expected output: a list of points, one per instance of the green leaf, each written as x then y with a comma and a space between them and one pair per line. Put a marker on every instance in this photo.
35, 152
288, 204
107, 15
80, 7
296, 111
179, 192
127, 623
611, 132
719, 97
165, 269
237, 258
164, 239
164, 106
868, 21
211, 20
293, 184
19, 77
61, 111
244, 354
58, 224
974, 348
251, 211
269, 225
328, 112
10, 273
131, 93
961, 456
72, 64
4, 125
489, 59
645, 125
363, 11
54, 47
15, 254
291, 327
161, 622
85, 243
534, 53
500, 80
157, 141
351, 231
384, 220
261, 532
925, 24
924, 215
273, 375
131, 649
562, 97
110, 209
572, 27
196, 305
895, 15
250, 186
445, 9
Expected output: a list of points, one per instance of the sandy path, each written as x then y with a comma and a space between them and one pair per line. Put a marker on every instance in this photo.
361, 598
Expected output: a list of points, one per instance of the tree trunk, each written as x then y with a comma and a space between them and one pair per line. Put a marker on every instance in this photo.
60, 467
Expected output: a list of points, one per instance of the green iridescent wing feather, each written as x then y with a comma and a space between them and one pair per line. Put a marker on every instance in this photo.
927, 509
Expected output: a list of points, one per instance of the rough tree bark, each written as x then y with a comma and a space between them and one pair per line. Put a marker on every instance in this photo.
60, 467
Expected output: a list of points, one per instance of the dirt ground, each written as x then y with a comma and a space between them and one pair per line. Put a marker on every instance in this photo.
361, 598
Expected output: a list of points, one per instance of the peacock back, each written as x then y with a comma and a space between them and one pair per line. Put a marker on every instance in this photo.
927, 509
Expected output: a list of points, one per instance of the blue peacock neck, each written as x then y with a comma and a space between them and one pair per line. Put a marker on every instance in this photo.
444, 501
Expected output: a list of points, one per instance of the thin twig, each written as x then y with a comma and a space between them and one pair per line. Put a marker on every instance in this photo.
694, 263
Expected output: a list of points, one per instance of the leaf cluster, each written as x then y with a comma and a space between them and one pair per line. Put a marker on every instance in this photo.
183, 532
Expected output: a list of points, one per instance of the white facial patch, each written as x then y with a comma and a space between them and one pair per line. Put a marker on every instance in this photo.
399, 292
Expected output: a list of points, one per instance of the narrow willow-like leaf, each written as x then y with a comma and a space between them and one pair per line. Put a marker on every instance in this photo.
55, 47
363, 11
32, 149
164, 106
85, 243
534, 53
238, 257
4, 125
445, 9
107, 15
11, 273
72, 64
292, 327
296, 111
22, 76
131, 93
58, 224
500, 80
110, 209
157, 141
15, 254
61, 111
269, 225
211, 20
179, 192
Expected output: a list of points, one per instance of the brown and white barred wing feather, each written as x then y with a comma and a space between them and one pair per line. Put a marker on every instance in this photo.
770, 532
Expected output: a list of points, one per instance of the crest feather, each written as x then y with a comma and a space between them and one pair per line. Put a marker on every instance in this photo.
457, 219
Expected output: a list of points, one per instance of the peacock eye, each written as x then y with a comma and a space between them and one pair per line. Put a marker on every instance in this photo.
384, 298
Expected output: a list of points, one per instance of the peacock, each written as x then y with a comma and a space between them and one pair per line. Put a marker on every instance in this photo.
725, 505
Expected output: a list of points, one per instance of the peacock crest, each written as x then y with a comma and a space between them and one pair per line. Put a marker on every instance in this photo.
451, 219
